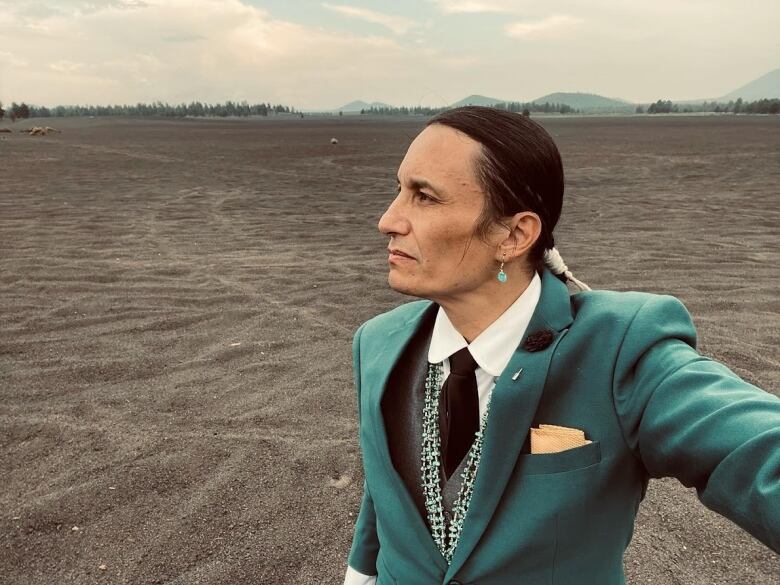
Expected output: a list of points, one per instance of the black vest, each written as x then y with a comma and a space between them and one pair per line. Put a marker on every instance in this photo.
402, 410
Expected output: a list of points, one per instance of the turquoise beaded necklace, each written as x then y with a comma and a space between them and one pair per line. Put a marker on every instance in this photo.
446, 536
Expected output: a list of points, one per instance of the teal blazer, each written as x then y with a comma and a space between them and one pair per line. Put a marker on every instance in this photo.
623, 367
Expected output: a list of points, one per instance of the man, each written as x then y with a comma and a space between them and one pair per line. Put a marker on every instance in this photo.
508, 428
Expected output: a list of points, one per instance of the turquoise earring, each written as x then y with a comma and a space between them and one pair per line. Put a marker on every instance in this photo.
501, 274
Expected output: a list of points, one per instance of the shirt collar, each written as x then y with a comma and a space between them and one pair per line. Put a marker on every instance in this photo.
493, 348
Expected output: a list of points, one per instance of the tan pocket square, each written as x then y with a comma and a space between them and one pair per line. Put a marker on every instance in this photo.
553, 438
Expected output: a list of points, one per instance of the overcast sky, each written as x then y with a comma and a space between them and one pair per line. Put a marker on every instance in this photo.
312, 55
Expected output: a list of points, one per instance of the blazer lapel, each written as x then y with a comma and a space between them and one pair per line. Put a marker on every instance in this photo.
513, 405
377, 366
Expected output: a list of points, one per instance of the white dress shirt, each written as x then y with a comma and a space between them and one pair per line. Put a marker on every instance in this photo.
492, 349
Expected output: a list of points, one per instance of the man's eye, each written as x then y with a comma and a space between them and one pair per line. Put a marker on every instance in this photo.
421, 195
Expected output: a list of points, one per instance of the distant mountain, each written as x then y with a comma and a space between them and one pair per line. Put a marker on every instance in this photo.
765, 87
358, 105
477, 100
585, 102
590, 103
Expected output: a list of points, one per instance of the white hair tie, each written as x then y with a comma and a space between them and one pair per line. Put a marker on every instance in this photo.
553, 260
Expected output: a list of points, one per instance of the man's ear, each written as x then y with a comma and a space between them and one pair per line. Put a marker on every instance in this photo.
524, 229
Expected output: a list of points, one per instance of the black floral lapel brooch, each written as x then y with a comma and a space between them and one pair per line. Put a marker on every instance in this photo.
538, 340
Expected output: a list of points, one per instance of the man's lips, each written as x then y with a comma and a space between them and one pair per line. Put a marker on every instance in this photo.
397, 252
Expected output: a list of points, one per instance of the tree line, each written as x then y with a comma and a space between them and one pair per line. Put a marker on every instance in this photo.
243, 109
524, 108
763, 106
162, 109
739, 106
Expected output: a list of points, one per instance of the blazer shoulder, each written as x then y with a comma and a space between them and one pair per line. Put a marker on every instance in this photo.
622, 307
395, 318
618, 301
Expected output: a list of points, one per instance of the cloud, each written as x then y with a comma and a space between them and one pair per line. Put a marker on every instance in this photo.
554, 26
398, 24
65, 66
184, 38
475, 6
122, 51
10, 60
33, 10
85, 7
208, 50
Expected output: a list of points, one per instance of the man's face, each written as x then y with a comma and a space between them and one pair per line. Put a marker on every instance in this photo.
434, 251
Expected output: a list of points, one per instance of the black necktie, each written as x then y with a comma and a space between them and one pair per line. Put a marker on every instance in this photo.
458, 410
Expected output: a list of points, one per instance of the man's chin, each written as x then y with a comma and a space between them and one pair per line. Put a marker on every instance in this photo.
402, 286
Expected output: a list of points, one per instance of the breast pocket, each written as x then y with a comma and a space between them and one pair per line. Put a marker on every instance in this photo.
560, 462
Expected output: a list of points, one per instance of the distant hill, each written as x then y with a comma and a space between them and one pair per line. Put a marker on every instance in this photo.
767, 86
585, 102
477, 100
590, 103
357, 105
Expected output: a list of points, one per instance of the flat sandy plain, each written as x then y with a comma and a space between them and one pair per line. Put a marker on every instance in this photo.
178, 298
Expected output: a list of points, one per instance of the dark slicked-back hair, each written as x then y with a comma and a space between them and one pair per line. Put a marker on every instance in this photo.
520, 169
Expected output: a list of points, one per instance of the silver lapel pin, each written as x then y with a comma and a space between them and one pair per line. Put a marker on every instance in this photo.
516, 375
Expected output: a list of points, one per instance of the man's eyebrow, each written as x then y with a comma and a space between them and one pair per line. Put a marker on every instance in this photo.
417, 183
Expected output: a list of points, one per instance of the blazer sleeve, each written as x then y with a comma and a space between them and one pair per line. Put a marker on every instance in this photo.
365, 544
689, 417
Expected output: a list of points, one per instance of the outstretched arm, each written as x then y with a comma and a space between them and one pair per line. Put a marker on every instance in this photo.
689, 417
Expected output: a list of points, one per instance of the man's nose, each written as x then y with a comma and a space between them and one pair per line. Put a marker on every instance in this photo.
393, 220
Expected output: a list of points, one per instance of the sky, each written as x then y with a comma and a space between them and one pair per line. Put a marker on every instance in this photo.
321, 55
